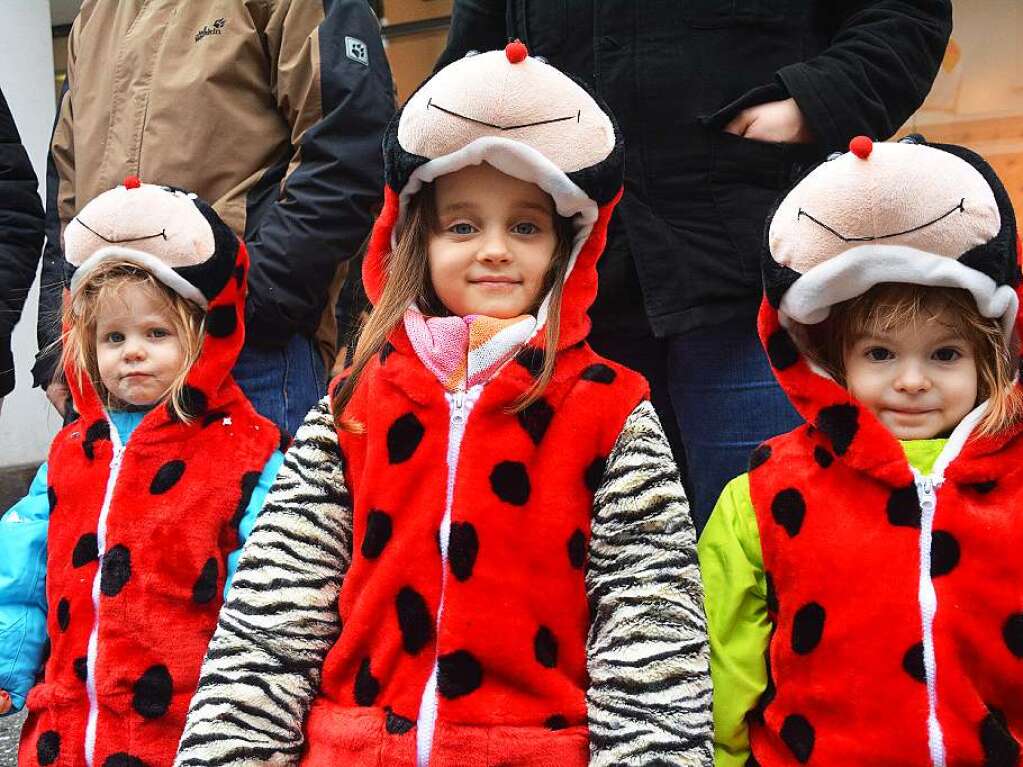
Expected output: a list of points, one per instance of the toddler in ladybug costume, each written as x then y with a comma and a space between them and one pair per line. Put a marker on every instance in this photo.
127, 540
478, 551
864, 578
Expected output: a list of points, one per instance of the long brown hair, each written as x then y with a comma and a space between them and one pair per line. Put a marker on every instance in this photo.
81, 315
891, 305
408, 283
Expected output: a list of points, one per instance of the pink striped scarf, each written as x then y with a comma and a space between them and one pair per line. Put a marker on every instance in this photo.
465, 351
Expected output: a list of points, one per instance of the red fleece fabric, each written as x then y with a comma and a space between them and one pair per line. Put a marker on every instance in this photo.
172, 521
839, 525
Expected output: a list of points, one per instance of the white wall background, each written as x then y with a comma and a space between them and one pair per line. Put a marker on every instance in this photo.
27, 421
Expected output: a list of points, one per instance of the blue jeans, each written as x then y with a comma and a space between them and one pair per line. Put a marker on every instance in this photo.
282, 384
727, 402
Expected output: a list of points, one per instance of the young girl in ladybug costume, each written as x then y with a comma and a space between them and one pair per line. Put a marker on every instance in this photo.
478, 551
127, 540
864, 579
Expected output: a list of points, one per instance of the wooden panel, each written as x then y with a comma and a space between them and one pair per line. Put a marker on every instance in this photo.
412, 58
403, 11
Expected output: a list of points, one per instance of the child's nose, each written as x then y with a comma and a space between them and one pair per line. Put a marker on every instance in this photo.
912, 378
134, 349
494, 247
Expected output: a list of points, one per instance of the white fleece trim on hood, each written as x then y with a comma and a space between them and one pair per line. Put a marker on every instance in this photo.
152, 264
522, 162
852, 273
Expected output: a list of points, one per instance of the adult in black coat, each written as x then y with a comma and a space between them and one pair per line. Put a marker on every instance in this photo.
722, 104
21, 237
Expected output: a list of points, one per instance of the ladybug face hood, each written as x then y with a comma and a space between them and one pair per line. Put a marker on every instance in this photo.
181, 241
908, 212
526, 119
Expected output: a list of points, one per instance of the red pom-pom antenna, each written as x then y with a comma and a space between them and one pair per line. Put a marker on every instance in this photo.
516, 51
132, 182
861, 146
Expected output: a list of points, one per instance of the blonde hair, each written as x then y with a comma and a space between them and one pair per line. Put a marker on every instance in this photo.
408, 283
81, 315
887, 306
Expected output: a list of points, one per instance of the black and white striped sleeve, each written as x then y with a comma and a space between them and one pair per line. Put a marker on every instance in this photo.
263, 665
649, 700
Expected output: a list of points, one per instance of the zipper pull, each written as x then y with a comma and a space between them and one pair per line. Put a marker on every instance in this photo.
458, 406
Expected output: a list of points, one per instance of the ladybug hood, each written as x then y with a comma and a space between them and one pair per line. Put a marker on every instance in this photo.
911, 212
180, 240
528, 120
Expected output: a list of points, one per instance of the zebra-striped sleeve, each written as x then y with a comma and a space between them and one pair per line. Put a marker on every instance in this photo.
262, 668
649, 701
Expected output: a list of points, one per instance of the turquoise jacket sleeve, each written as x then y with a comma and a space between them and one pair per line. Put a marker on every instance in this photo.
266, 481
23, 590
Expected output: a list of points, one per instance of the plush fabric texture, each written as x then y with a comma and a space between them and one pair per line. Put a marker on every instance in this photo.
465, 351
138, 543
850, 549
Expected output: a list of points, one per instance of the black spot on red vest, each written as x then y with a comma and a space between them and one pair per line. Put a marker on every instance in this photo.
807, 628
123, 760
51, 497
193, 402
1000, 748
85, 551
151, 694
166, 477
403, 437
63, 613
789, 509
378, 533
386, 351
594, 474
81, 667
115, 570
797, 733
532, 359
772, 594
97, 432
463, 547
205, 587
577, 549
781, 351
250, 480
944, 553
760, 455
913, 662
396, 724
458, 674
221, 321
823, 458
839, 423
983, 488
556, 722
510, 482
367, 686
903, 507
1012, 633
48, 747
545, 647
536, 418
599, 373
414, 620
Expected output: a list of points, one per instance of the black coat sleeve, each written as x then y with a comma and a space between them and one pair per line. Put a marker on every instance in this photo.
21, 236
328, 201
51, 278
475, 25
875, 73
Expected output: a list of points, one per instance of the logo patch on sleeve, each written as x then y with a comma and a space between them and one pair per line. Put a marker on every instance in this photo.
357, 50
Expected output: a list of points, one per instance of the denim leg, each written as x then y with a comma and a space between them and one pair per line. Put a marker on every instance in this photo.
282, 384
727, 402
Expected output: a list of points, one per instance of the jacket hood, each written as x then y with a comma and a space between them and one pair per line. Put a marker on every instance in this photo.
182, 241
910, 212
528, 120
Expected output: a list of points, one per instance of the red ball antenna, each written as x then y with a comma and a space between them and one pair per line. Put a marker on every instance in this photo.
861, 146
516, 51
132, 182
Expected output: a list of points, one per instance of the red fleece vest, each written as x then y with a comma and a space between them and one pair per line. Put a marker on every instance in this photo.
840, 529
160, 557
511, 645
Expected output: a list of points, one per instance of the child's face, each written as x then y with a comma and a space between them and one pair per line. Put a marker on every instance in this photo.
919, 380
493, 245
138, 350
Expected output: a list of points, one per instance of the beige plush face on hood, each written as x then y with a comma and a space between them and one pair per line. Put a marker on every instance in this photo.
540, 107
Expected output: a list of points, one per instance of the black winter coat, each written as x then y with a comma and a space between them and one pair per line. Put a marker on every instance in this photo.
21, 237
675, 72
